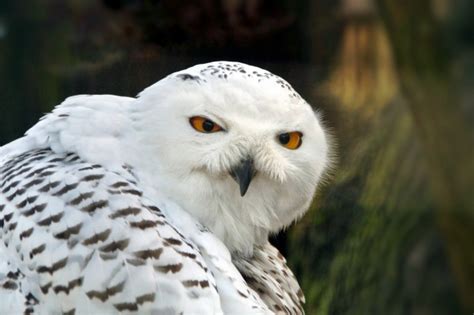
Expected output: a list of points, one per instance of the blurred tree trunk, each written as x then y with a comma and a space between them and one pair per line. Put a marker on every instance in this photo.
373, 244
425, 64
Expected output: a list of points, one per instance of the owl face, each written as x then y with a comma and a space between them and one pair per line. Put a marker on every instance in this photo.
235, 146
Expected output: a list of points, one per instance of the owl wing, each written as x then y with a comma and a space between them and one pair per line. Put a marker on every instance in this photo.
80, 235
79, 239
266, 273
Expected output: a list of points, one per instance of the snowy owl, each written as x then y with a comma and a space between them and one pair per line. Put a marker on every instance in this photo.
161, 203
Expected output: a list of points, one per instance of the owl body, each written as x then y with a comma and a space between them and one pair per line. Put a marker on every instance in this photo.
123, 205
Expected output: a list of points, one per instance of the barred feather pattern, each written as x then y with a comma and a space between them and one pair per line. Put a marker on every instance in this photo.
267, 273
80, 239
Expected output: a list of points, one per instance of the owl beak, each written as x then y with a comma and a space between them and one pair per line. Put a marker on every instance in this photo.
243, 174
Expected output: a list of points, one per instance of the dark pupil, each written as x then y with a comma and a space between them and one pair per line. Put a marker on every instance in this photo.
207, 125
284, 138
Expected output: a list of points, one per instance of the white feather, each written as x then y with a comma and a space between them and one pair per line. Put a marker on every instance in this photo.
114, 204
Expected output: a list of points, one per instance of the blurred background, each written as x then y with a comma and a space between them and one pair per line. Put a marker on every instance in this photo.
392, 232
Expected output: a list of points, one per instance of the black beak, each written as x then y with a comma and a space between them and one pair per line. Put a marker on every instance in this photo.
243, 174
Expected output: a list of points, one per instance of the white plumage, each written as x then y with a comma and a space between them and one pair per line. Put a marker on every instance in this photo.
114, 204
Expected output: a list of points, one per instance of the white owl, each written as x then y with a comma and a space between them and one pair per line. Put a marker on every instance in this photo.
162, 203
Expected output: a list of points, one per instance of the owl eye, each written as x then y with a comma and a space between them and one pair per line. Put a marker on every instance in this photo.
290, 140
204, 125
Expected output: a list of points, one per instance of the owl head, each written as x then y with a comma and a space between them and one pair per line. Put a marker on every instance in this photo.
233, 145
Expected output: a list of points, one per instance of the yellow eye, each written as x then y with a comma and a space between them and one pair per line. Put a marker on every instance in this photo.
290, 140
204, 125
